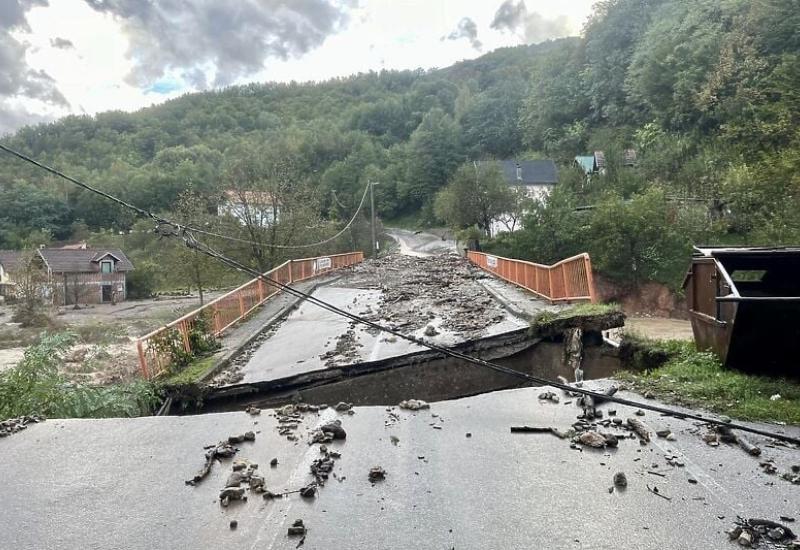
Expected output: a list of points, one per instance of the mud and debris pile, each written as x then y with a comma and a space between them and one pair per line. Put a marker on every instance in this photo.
427, 296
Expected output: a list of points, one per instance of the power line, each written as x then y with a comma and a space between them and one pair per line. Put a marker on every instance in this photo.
191, 242
329, 239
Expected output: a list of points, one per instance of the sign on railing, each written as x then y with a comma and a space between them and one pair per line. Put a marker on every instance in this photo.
158, 349
569, 280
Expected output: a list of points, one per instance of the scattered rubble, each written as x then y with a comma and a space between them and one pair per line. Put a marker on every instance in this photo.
409, 285
414, 404
223, 449
252, 410
430, 330
343, 407
537, 429
377, 474
752, 531
620, 480
549, 396
346, 350
14, 425
640, 429
297, 528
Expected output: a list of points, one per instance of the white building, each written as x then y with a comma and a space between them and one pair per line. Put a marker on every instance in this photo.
534, 178
253, 208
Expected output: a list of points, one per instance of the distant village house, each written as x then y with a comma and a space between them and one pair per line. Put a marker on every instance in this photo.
534, 178
74, 275
251, 208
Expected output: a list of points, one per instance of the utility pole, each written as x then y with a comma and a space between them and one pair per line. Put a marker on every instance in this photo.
372, 210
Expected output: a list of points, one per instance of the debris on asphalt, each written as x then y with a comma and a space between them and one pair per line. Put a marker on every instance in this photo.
289, 418
394, 439
223, 449
409, 285
233, 524
376, 474
656, 492
297, 528
430, 330
273, 462
252, 410
620, 480
768, 467
537, 429
343, 406
549, 396
414, 404
592, 439
309, 491
752, 531
14, 425
243, 472
640, 429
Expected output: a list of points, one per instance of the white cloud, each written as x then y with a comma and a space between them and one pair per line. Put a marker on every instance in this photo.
94, 74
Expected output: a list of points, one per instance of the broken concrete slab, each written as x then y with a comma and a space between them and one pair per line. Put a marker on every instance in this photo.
132, 490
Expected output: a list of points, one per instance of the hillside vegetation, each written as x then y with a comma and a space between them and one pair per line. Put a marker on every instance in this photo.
706, 91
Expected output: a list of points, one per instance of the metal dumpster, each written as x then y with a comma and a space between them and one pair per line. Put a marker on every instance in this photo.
744, 304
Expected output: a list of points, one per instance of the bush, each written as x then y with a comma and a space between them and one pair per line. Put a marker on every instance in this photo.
143, 281
35, 386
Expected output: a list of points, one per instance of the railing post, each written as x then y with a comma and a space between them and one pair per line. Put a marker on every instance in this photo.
142, 360
291, 271
567, 293
587, 264
241, 304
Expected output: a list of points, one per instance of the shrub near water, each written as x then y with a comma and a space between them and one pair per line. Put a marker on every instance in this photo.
35, 386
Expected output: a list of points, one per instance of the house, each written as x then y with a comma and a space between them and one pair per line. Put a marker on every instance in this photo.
592, 164
75, 276
535, 178
252, 208
8, 260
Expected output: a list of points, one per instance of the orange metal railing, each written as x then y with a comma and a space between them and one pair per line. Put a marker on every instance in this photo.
569, 280
155, 356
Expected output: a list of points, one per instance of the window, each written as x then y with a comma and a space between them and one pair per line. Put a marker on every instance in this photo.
106, 266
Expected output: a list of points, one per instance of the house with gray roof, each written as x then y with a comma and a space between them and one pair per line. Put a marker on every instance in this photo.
535, 178
76, 276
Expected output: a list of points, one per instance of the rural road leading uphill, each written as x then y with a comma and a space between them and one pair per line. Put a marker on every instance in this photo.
422, 244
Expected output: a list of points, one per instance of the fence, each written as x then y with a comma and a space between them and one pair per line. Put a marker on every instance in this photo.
569, 280
157, 350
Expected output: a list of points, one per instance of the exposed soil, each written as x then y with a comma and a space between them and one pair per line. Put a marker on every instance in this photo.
106, 349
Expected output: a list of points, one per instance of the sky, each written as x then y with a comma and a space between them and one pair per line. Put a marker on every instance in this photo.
60, 57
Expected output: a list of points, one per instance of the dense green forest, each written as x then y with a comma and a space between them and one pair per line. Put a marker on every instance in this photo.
706, 91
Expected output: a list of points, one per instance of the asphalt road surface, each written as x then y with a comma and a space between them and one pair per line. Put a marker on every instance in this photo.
119, 483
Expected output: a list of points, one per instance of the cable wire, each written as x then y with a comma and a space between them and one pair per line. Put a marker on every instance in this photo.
168, 228
329, 239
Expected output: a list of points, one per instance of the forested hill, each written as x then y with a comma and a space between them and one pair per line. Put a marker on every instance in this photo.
337, 131
706, 91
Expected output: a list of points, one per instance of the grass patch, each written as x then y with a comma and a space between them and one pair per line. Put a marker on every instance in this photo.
697, 379
578, 310
191, 373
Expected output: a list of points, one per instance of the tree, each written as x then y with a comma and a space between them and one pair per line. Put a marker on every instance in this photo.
476, 195
198, 269
639, 239
434, 151
30, 291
